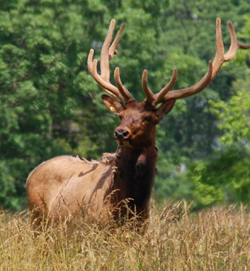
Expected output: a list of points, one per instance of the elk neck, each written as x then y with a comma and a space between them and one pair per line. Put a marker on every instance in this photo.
136, 171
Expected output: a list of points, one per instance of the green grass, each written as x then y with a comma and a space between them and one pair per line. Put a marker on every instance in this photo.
215, 239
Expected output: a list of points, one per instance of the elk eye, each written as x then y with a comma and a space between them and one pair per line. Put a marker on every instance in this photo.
147, 118
120, 116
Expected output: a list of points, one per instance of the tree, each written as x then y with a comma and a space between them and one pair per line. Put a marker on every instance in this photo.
46, 91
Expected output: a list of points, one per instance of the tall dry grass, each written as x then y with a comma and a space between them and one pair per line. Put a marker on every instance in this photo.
215, 239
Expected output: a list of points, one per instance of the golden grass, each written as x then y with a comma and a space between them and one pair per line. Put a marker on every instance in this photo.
215, 239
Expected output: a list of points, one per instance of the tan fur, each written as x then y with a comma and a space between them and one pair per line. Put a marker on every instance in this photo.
67, 185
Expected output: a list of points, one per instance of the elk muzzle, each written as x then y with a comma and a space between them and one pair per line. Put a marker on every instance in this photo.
121, 134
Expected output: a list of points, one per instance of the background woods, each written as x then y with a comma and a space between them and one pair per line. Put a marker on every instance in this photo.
50, 105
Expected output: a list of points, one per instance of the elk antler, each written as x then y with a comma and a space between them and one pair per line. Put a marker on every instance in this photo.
108, 50
213, 69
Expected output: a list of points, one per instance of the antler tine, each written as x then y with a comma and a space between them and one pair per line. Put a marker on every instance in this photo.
159, 96
214, 66
219, 53
112, 49
147, 91
105, 70
123, 90
107, 53
156, 98
90, 61
235, 45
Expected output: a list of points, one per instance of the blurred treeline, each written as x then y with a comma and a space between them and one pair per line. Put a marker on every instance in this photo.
50, 105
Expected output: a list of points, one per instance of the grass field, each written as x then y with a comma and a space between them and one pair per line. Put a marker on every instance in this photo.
215, 239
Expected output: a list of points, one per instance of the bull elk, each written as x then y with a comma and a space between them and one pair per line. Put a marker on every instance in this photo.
88, 190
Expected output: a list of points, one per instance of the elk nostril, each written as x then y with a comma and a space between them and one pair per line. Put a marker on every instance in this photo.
125, 133
121, 134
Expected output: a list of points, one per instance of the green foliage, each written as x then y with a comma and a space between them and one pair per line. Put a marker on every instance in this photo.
234, 115
172, 182
44, 85
224, 177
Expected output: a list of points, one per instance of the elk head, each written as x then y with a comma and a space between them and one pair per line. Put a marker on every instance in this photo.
138, 120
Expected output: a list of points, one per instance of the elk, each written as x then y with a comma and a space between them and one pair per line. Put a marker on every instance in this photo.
92, 190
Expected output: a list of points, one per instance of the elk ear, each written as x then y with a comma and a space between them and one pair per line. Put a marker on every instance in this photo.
165, 108
112, 104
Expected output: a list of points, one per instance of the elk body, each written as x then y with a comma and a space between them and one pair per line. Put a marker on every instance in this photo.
88, 190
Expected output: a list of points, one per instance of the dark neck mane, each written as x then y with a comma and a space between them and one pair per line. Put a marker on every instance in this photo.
135, 178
